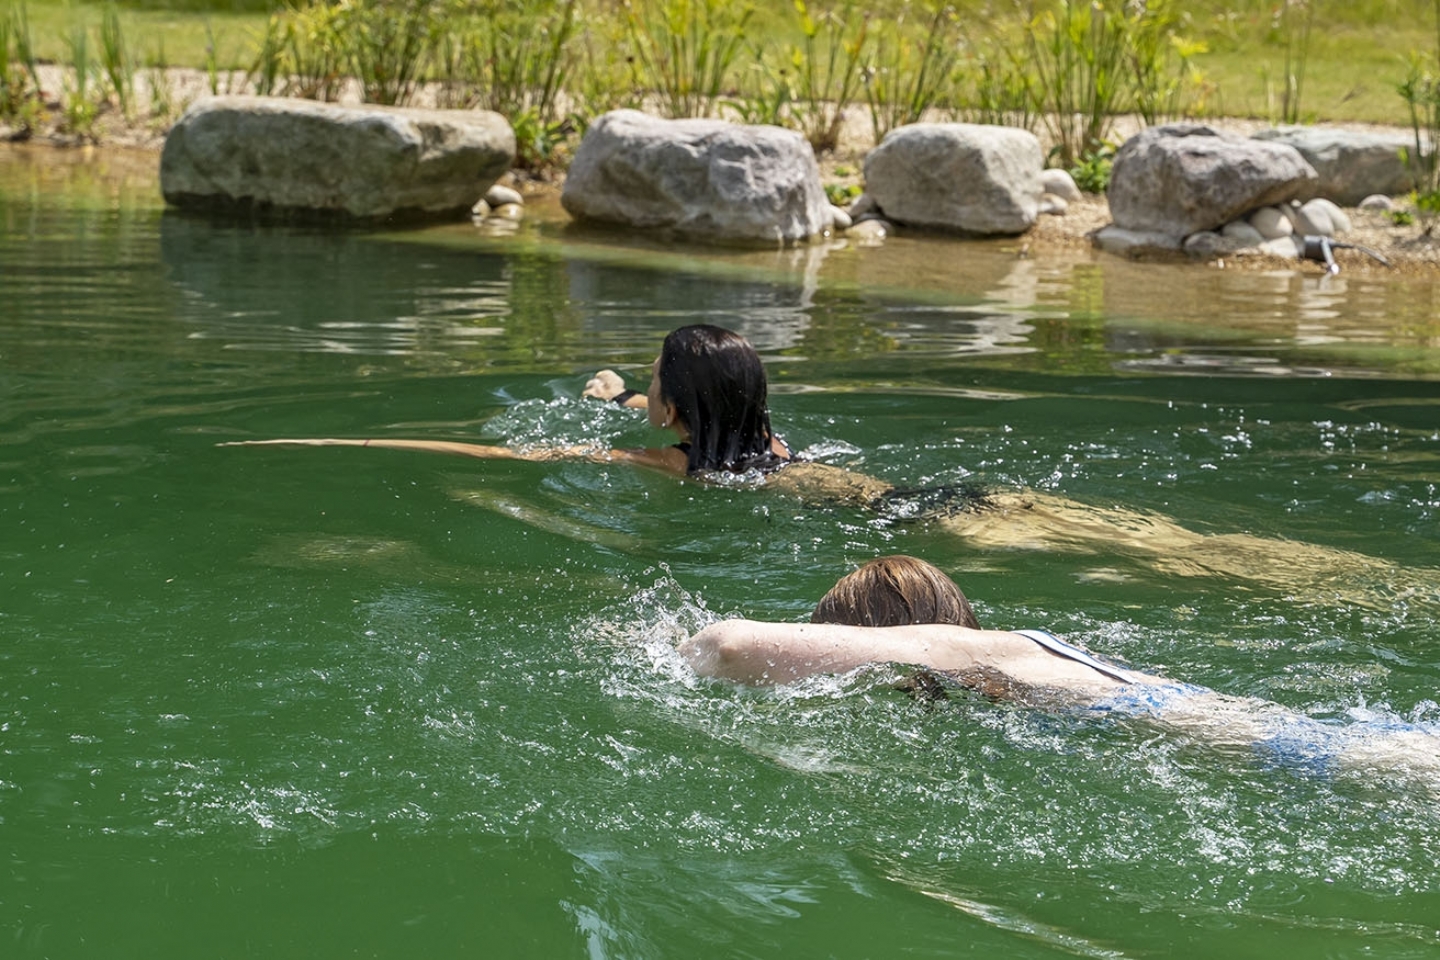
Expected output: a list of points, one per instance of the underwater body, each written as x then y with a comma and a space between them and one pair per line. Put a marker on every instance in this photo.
339, 702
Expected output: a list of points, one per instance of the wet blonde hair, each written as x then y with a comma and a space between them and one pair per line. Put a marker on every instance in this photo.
892, 592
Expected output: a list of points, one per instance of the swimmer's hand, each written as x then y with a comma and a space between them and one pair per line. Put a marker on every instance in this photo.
608, 385
605, 385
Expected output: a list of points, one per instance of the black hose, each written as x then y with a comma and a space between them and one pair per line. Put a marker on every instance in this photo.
1321, 250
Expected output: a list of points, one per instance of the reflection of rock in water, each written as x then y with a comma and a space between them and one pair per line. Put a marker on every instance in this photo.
1036, 521
622, 303
286, 288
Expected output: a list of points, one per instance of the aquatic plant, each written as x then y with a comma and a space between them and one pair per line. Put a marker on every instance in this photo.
684, 50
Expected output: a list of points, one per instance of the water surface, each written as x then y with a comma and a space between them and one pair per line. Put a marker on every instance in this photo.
284, 702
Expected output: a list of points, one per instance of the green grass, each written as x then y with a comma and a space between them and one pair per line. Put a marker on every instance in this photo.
1351, 74
182, 32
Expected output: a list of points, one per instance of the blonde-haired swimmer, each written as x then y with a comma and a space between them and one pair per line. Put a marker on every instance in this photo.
901, 610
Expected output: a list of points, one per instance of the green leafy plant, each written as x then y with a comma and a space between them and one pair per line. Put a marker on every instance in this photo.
1427, 205
1091, 172
1400, 217
603, 73
842, 194
771, 101
1421, 92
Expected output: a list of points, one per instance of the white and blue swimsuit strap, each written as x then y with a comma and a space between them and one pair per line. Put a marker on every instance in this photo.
1057, 646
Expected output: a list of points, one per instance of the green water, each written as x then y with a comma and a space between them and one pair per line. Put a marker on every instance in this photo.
274, 702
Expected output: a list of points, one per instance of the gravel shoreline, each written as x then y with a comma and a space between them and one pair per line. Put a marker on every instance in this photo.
1410, 250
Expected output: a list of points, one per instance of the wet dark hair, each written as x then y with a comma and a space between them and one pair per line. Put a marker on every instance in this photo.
895, 591
715, 379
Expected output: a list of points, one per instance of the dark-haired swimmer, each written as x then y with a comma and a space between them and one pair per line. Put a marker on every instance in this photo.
905, 611
708, 386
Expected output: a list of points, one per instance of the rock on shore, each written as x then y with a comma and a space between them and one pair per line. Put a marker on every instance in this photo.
353, 162
707, 179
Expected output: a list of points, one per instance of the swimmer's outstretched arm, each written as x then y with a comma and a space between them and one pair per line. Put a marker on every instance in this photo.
609, 385
484, 451
668, 458
751, 651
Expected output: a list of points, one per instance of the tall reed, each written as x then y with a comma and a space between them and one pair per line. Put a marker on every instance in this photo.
911, 67
828, 68
115, 59
1077, 49
685, 50
386, 45
603, 76
19, 80
157, 78
998, 86
79, 104
1161, 72
316, 52
1293, 20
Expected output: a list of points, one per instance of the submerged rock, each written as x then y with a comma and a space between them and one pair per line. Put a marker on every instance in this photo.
702, 178
363, 163
1135, 243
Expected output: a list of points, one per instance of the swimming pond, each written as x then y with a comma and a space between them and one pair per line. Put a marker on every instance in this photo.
339, 702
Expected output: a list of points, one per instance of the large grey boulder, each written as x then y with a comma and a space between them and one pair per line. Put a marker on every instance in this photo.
1351, 164
702, 178
963, 177
362, 163
1184, 178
